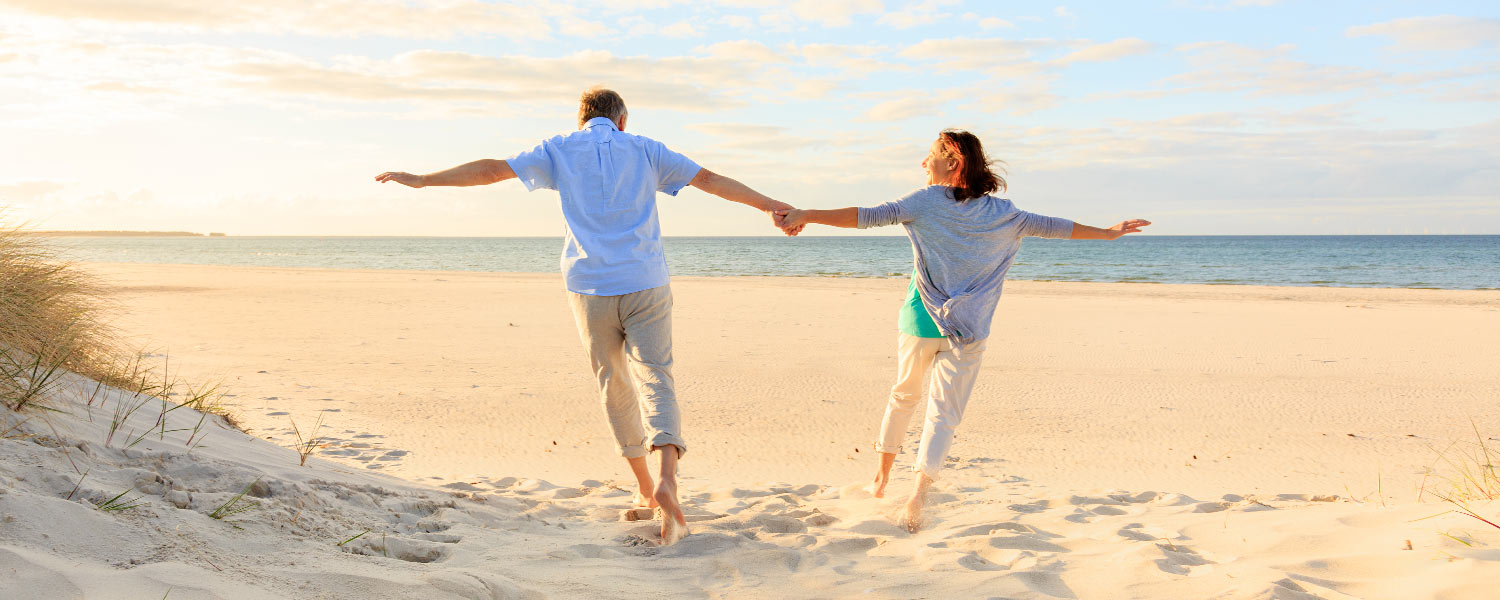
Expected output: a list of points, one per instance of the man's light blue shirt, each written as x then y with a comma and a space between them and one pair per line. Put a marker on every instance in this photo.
608, 180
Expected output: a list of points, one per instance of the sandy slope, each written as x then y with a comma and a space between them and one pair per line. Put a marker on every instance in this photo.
1127, 441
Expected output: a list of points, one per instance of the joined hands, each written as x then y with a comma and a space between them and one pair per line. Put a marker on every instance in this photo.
780, 212
789, 220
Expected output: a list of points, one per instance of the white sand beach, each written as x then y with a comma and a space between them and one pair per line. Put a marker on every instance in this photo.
1124, 441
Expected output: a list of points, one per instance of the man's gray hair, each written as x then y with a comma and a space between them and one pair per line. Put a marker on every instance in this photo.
600, 102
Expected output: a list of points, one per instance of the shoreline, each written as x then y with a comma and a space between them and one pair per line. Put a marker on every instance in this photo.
900, 277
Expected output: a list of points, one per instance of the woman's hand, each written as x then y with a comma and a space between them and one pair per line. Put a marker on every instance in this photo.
791, 221
1128, 226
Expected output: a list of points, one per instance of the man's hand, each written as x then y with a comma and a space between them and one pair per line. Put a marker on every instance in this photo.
406, 179
790, 220
777, 210
1129, 226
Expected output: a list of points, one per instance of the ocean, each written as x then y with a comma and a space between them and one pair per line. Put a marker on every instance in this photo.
1463, 262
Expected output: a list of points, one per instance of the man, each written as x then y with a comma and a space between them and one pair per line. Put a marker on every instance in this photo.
615, 270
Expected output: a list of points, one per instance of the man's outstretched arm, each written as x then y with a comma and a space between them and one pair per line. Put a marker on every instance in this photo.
734, 191
479, 172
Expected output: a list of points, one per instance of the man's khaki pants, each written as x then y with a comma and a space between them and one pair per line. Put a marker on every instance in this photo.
629, 341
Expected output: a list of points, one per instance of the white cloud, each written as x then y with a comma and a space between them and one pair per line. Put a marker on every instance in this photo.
1062, 11
746, 50
1434, 33
1109, 51
917, 13
680, 29
835, 13
737, 21
339, 18
976, 53
899, 110
995, 23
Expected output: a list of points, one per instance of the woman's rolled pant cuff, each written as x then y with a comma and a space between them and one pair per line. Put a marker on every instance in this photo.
666, 439
887, 448
931, 471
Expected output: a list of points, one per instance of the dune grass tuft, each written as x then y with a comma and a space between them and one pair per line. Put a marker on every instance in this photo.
308, 444
53, 321
120, 502
1470, 474
235, 505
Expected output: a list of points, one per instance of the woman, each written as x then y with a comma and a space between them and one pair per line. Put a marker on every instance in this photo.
963, 241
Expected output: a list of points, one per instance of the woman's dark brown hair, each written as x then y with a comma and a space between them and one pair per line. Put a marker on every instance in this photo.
973, 177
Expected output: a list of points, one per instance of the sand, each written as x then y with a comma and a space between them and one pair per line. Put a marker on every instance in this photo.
1124, 441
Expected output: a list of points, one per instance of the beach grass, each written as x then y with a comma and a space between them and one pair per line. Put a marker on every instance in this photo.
235, 505
120, 502
1465, 474
309, 443
54, 322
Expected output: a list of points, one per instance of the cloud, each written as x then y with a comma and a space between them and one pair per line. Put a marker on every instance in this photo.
1225, 67
1062, 11
917, 13
976, 53
1434, 33
680, 29
903, 108
835, 13
336, 18
995, 23
26, 192
746, 50
1109, 51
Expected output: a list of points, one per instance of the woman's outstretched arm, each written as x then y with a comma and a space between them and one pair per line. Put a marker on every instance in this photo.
837, 217
1084, 232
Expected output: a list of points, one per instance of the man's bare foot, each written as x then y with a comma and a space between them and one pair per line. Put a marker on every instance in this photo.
673, 522
644, 500
911, 514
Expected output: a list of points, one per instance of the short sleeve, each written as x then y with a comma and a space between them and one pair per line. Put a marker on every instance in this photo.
1035, 225
673, 171
534, 168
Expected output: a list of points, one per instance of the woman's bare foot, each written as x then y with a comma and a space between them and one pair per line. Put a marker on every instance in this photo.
882, 475
911, 514
673, 522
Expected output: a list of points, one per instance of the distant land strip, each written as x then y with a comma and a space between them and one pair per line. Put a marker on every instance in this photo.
124, 234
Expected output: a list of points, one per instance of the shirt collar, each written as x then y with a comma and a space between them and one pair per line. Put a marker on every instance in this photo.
596, 121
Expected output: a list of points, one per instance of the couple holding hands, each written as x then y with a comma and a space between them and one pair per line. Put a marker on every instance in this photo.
963, 241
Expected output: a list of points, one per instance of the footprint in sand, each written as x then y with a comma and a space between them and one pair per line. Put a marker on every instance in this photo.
399, 548
852, 545
991, 529
1181, 560
1032, 507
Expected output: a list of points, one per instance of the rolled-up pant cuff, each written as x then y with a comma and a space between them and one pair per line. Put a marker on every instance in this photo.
667, 439
930, 471
634, 451
887, 448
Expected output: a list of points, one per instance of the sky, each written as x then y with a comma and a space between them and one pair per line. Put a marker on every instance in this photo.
272, 117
